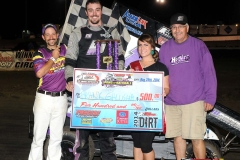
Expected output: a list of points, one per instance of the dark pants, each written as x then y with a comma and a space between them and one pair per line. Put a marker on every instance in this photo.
106, 142
143, 140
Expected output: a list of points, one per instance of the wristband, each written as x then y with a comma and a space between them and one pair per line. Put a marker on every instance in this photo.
53, 59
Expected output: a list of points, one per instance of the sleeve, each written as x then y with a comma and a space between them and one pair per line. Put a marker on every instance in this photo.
63, 46
38, 61
166, 71
209, 76
162, 67
72, 54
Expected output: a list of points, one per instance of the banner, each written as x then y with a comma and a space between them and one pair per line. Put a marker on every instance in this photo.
228, 30
117, 100
16, 60
208, 29
193, 29
137, 24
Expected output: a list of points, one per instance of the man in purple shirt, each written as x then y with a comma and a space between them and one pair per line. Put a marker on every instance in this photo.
193, 87
50, 104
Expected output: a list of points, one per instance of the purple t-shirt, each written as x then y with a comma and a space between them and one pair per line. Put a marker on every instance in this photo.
54, 80
192, 74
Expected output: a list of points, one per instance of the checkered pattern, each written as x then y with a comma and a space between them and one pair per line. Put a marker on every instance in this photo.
76, 17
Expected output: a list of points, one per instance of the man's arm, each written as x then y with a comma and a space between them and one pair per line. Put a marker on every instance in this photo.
210, 79
72, 54
48, 65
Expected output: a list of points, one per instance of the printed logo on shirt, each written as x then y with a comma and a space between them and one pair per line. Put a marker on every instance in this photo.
88, 36
180, 59
92, 49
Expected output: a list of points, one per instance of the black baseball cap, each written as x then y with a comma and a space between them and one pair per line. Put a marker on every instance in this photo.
47, 26
178, 18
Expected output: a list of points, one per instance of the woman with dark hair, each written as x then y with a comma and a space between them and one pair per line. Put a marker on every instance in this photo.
149, 61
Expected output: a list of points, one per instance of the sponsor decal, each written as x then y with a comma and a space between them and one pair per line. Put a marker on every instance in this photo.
25, 54
114, 80
151, 109
149, 114
122, 117
131, 29
87, 113
106, 120
25, 59
88, 78
86, 121
6, 61
145, 120
24, 65
136, 106
135, 21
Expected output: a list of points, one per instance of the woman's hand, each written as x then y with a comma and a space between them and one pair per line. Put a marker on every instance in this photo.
166, 86
131, 70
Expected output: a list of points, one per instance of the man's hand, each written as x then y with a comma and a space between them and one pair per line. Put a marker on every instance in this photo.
207, 106
69, 86
56, 52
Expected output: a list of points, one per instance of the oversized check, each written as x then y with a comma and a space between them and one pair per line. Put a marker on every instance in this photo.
117, 100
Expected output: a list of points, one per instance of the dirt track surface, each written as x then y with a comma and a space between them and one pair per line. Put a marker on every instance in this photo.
17, 92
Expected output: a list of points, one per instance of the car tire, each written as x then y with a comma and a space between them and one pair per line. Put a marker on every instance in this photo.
212, 150
67, 144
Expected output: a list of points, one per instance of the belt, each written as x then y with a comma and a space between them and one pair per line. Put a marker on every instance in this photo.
53, 94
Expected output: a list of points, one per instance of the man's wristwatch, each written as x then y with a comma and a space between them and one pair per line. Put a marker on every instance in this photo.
53, 59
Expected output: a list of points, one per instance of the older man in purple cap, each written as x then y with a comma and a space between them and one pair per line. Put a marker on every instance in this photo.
50, 104
193, 87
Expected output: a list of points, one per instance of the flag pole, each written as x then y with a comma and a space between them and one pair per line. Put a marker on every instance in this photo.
65, 23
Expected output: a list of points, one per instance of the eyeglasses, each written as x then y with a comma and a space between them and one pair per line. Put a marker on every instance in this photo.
178, 27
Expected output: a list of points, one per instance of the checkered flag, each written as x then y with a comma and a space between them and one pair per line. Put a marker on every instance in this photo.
77, 17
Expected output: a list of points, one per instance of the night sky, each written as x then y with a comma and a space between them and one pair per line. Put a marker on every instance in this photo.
19, 15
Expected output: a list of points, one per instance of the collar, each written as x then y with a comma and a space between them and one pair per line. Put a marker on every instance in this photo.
94, 28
